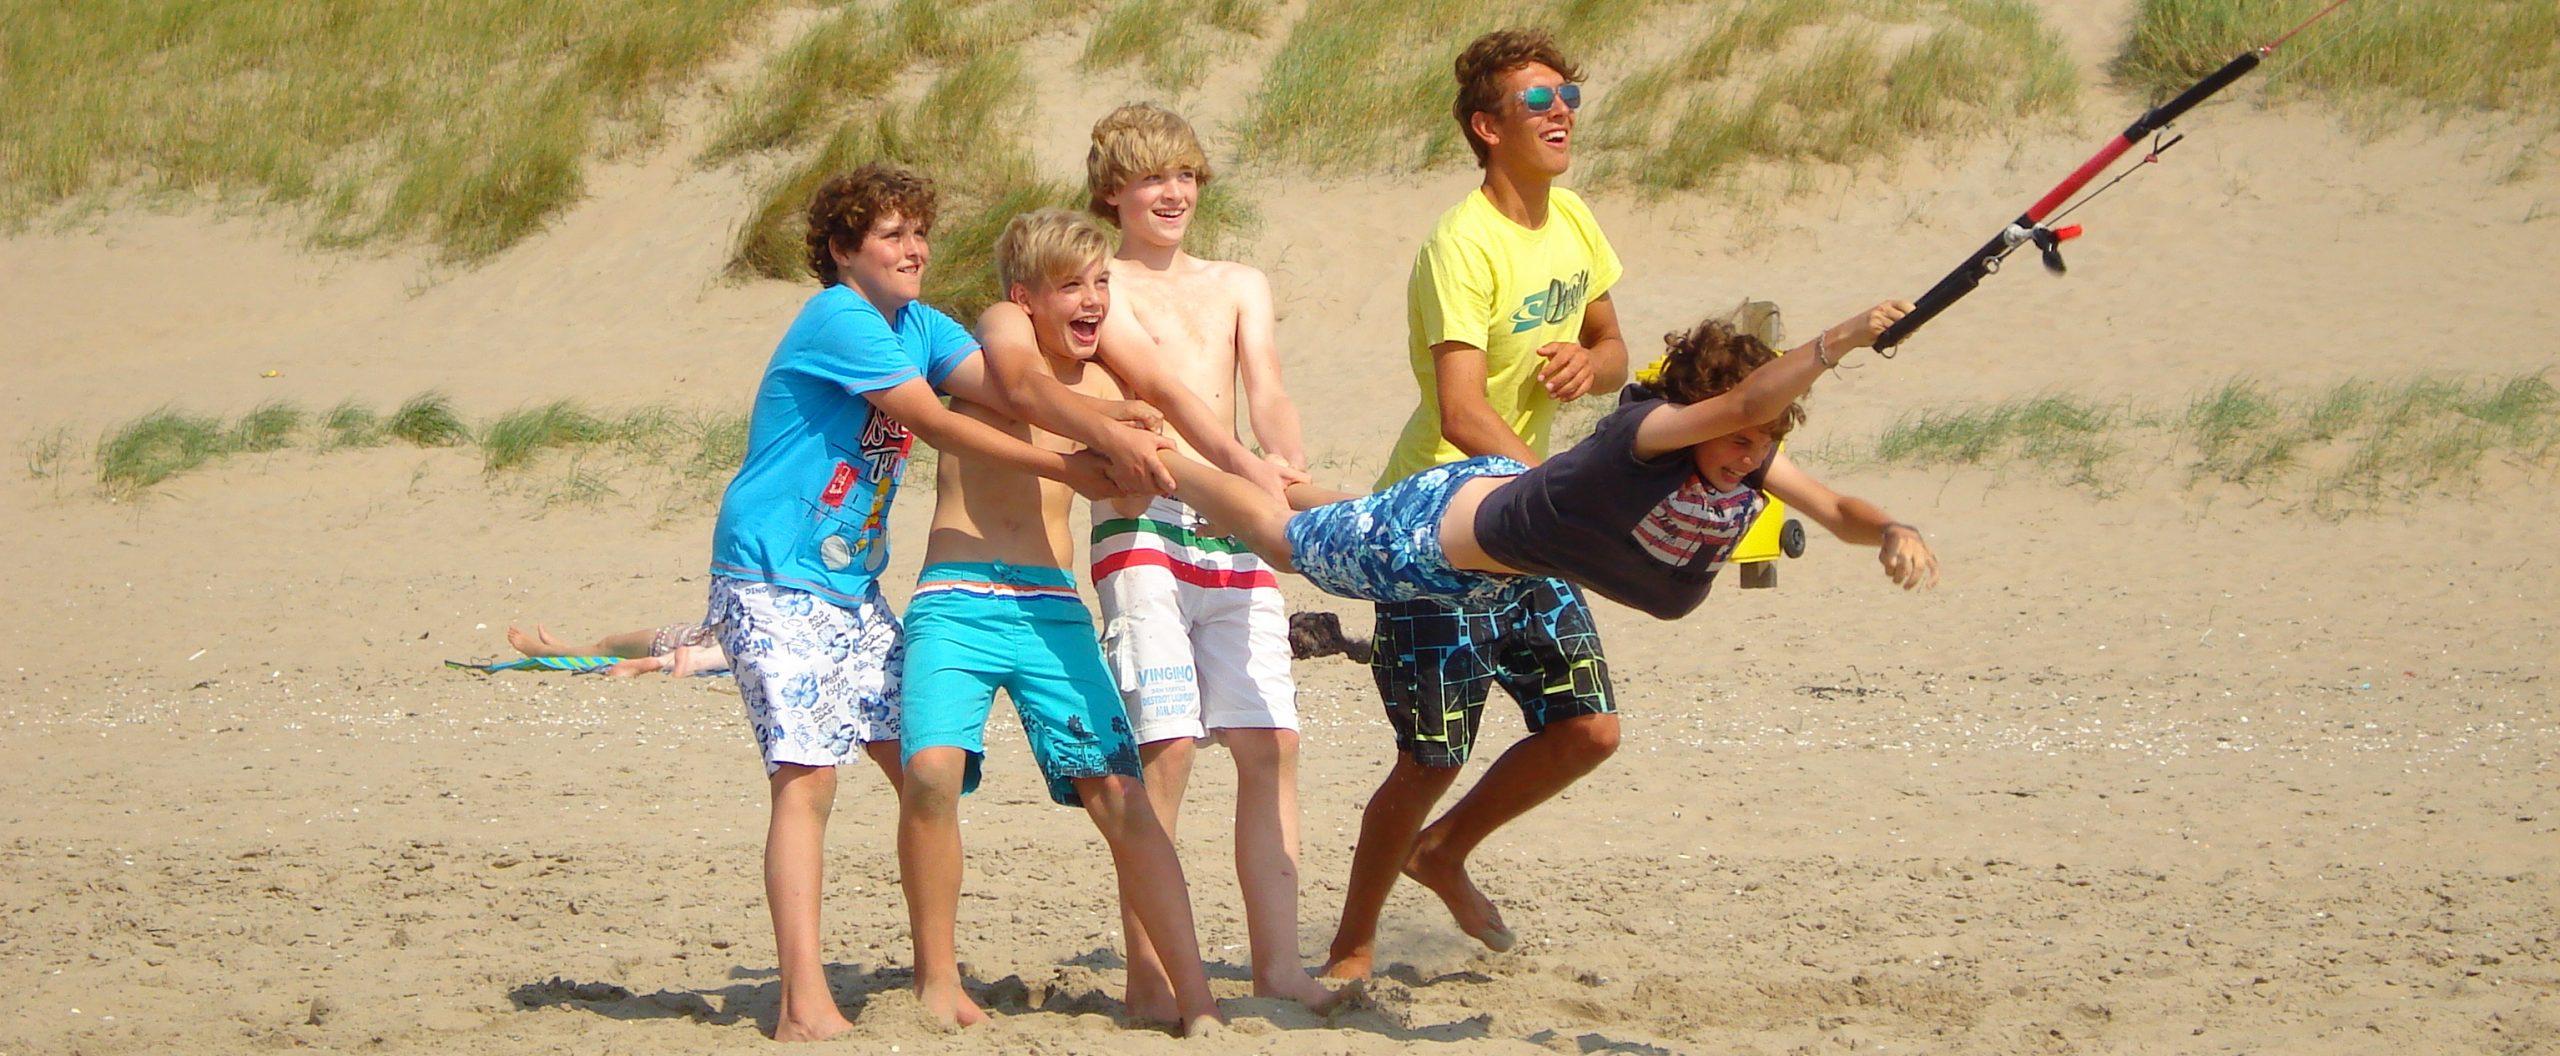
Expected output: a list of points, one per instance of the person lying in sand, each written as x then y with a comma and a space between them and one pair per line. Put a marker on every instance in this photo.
679, 649
1645, 510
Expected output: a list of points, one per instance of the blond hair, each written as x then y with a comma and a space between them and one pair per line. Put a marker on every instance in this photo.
1133, 141
1045, 246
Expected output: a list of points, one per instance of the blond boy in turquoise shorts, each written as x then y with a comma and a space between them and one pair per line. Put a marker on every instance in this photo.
995, 608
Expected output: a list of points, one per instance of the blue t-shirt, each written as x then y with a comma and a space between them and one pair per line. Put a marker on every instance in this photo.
809, 509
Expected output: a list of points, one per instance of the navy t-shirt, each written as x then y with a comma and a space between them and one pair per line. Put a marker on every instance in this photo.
1649, 534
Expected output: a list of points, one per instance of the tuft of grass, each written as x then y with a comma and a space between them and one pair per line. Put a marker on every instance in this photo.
351, 424
2441, 55
850, 61
720, 447
47, 454
2234, 429
579, 486
155, 447
519, 435
268, 427
466, 124
2053, 431
427, 420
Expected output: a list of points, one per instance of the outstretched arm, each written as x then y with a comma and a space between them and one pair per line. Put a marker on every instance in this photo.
1267, 406
914, 403
1905, 556
1005, 377
1133, 357
1764, 395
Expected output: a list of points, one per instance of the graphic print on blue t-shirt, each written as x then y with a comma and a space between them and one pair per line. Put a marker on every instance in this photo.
885, 444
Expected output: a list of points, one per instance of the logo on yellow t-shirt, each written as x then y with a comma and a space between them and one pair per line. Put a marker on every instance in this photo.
1552, 305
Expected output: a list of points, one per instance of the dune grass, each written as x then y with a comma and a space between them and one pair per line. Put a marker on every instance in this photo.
157, 446
136, 455
1174, 41
428, 420
1801, 81
465, 124
2060, 432
517, 436
854, 59
702, 449
2338, 450
1797, 81
2440, 55
963, 131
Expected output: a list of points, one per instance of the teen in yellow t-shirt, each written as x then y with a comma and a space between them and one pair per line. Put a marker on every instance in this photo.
1484, 280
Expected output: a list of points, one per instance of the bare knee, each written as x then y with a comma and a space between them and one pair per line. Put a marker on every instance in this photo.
1117, 804
804, 788
1261, 752
932, 783
1587, 739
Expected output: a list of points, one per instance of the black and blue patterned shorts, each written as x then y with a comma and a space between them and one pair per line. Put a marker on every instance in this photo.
1437, 661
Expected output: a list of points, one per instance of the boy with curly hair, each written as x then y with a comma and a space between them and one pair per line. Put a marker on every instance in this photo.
802, 534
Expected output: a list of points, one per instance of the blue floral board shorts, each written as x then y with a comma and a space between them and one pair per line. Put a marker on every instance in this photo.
977, 627
819, 680
1385, 546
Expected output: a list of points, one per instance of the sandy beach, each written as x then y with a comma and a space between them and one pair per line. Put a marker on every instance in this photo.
2159, 769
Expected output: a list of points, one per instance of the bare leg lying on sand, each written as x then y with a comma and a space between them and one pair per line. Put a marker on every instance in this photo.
630, 645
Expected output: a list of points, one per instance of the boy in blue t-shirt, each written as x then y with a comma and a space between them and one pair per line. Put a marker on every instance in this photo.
803, 529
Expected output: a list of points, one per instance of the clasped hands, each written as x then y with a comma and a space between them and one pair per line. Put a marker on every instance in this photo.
1128, 461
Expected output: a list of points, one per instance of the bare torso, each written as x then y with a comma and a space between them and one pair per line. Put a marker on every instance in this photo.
984, 510
1458, 543
1192, 311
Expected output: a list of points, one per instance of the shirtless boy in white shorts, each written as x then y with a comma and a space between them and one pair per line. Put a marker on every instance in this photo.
1193, 625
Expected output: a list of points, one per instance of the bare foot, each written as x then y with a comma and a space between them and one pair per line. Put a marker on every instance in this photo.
540, 643
1352, 965
950, 1006
1474, 913
1203, 1025
827, 1023
1301, 990
1151, 1000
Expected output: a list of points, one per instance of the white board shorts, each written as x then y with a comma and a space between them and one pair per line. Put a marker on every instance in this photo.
1193, 626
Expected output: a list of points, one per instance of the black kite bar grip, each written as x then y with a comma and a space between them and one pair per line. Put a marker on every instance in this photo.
1986, 260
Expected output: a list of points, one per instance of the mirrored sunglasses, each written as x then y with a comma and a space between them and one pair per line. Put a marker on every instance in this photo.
1539, 99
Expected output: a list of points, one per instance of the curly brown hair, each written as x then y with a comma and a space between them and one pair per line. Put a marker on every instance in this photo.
844, 208
1709, 360
1480, 68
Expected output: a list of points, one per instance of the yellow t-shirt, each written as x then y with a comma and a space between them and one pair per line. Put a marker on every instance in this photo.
1508, 290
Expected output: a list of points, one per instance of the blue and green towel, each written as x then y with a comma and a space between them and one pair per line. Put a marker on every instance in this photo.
578, 664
